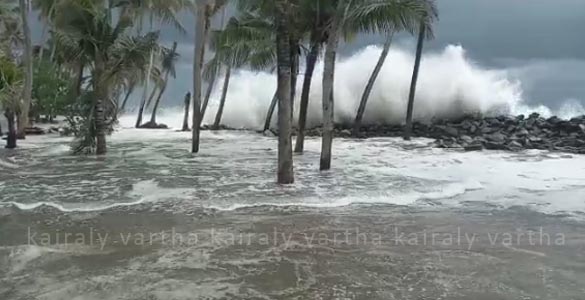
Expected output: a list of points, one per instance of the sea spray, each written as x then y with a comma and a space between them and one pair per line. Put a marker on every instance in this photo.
450, 85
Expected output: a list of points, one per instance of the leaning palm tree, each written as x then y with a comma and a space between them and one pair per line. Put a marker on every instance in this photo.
168, 66
246, 41
411, 95
28, 68
397, 16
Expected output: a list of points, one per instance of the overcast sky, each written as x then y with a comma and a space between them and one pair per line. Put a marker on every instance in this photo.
542, 42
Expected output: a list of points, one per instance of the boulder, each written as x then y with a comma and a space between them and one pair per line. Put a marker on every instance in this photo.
473, 147
153, 125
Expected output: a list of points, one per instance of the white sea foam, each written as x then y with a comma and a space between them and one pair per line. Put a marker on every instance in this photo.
450, 84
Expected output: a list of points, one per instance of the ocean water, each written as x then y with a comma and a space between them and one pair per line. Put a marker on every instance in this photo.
237, 170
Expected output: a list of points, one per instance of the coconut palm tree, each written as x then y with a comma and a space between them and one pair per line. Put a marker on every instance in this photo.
283, 45
28, 68
211, 77
203, 7
246, 41
87, 28
336, 24
404, 15
11, 84
205, 10
168, 66
370, 85
411, 95
153, 73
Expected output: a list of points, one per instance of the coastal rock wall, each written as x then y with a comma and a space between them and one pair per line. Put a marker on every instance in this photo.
475, 133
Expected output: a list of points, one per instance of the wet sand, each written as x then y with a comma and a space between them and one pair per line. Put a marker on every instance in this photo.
356, 252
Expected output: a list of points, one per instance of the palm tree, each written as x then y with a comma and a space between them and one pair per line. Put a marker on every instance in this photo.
28, 67
200, 39
226, 83
389, 17
328, 81
10, 91
411, 95
205, 10
186, 117
211, 77
285, 159
370, 85
168, 65
87, 29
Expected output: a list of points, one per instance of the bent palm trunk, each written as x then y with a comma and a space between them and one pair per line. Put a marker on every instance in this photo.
207, 97
285, 159
368, 90
409, 112
157, 102
270, 112
186, 117
128, 93
142, 107
311, 62
226, 84
23, 121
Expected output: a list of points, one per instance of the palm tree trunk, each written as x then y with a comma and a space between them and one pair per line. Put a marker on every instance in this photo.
270, 112
294, 71
145, 92
285, 158
200, 38
310, 69
186, 117
409, 112
100, 127
23, 121
99, 109
328, 87
368, 90
143, 105
11, 138
226, 84
128, 93
53, 50
79, 81
43, 38
160, 94
207, 97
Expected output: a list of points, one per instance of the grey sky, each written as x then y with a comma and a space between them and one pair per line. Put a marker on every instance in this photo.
541, 41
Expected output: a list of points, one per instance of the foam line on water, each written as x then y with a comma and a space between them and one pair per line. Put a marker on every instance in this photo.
410, 198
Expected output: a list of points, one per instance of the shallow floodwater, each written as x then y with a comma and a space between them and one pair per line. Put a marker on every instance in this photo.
237, 169
258, 240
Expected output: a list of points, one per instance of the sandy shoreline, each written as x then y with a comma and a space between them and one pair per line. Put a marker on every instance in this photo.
357, 252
